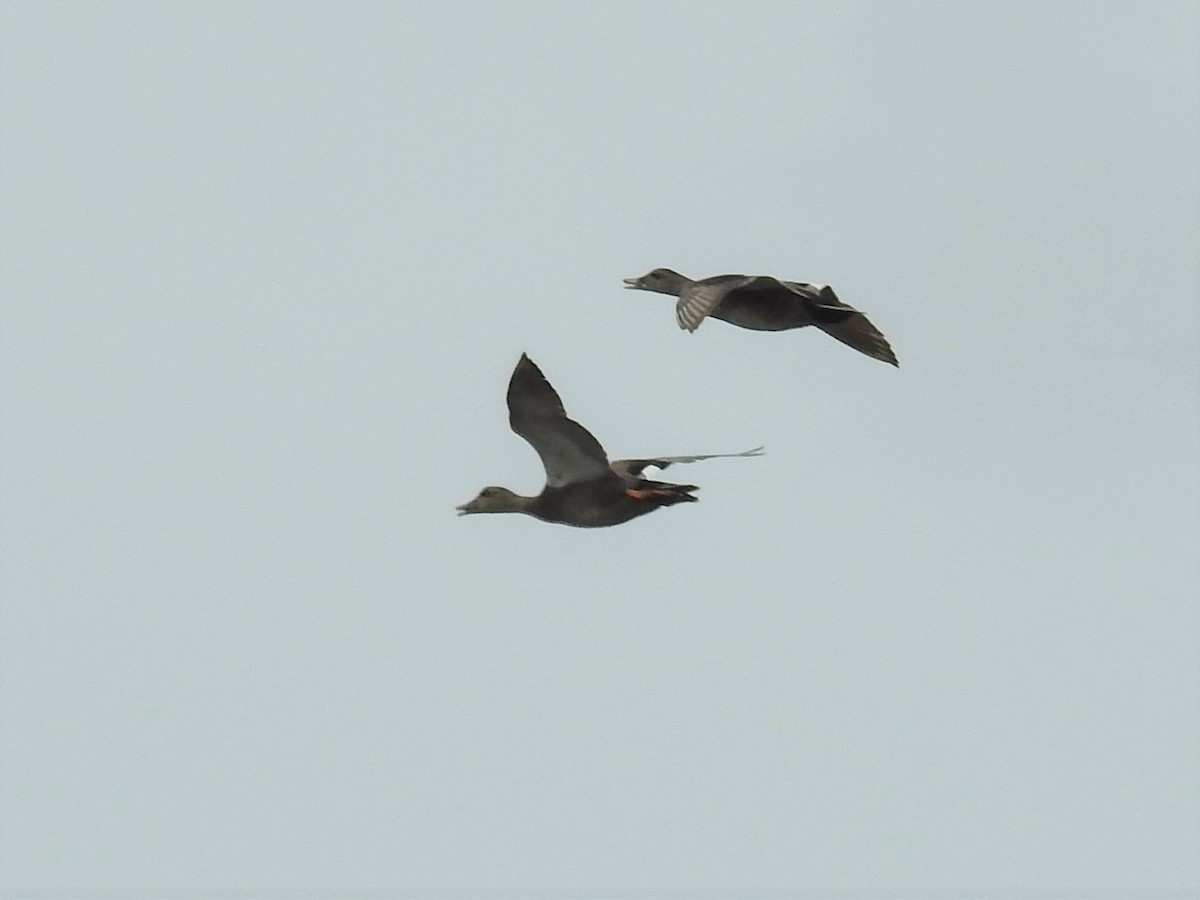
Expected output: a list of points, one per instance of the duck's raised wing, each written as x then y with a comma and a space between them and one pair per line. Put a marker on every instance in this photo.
634, 467
568, 451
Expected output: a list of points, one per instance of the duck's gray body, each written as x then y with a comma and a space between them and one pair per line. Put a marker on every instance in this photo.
604, 501
763, 303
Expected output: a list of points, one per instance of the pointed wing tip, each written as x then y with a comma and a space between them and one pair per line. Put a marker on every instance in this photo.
528, 365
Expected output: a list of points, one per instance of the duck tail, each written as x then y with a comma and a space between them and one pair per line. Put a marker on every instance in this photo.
662, 494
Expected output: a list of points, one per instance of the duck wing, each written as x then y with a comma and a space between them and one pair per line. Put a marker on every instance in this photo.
698, 299
568, 451
844, 322
634, 467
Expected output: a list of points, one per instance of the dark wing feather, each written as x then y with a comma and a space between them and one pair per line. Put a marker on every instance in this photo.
568, 451
844, 322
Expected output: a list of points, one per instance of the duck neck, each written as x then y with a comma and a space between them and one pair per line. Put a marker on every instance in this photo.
522, 504
674, 284
515, 503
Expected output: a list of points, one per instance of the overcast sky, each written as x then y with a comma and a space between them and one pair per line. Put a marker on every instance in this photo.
266, 269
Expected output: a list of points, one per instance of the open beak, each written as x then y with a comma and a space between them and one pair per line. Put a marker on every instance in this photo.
631, 282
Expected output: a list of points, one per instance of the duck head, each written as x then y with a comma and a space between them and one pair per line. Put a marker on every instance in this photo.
494, 499
661, 281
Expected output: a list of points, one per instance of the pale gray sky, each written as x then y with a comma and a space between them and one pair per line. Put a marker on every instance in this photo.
266, 269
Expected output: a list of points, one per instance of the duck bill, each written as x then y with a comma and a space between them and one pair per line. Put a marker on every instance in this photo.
631, 282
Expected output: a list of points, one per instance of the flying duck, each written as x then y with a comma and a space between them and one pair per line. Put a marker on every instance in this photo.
763, 303
582, 487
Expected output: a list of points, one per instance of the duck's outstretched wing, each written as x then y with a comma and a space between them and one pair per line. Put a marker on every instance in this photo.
634, 467
858, 332
568, 451
844, 322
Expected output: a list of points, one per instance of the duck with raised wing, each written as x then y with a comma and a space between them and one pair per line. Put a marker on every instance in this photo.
763, 303
582, 487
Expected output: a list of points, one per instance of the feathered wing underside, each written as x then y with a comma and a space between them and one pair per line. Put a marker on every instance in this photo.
634, 467
568, 451
698, 299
